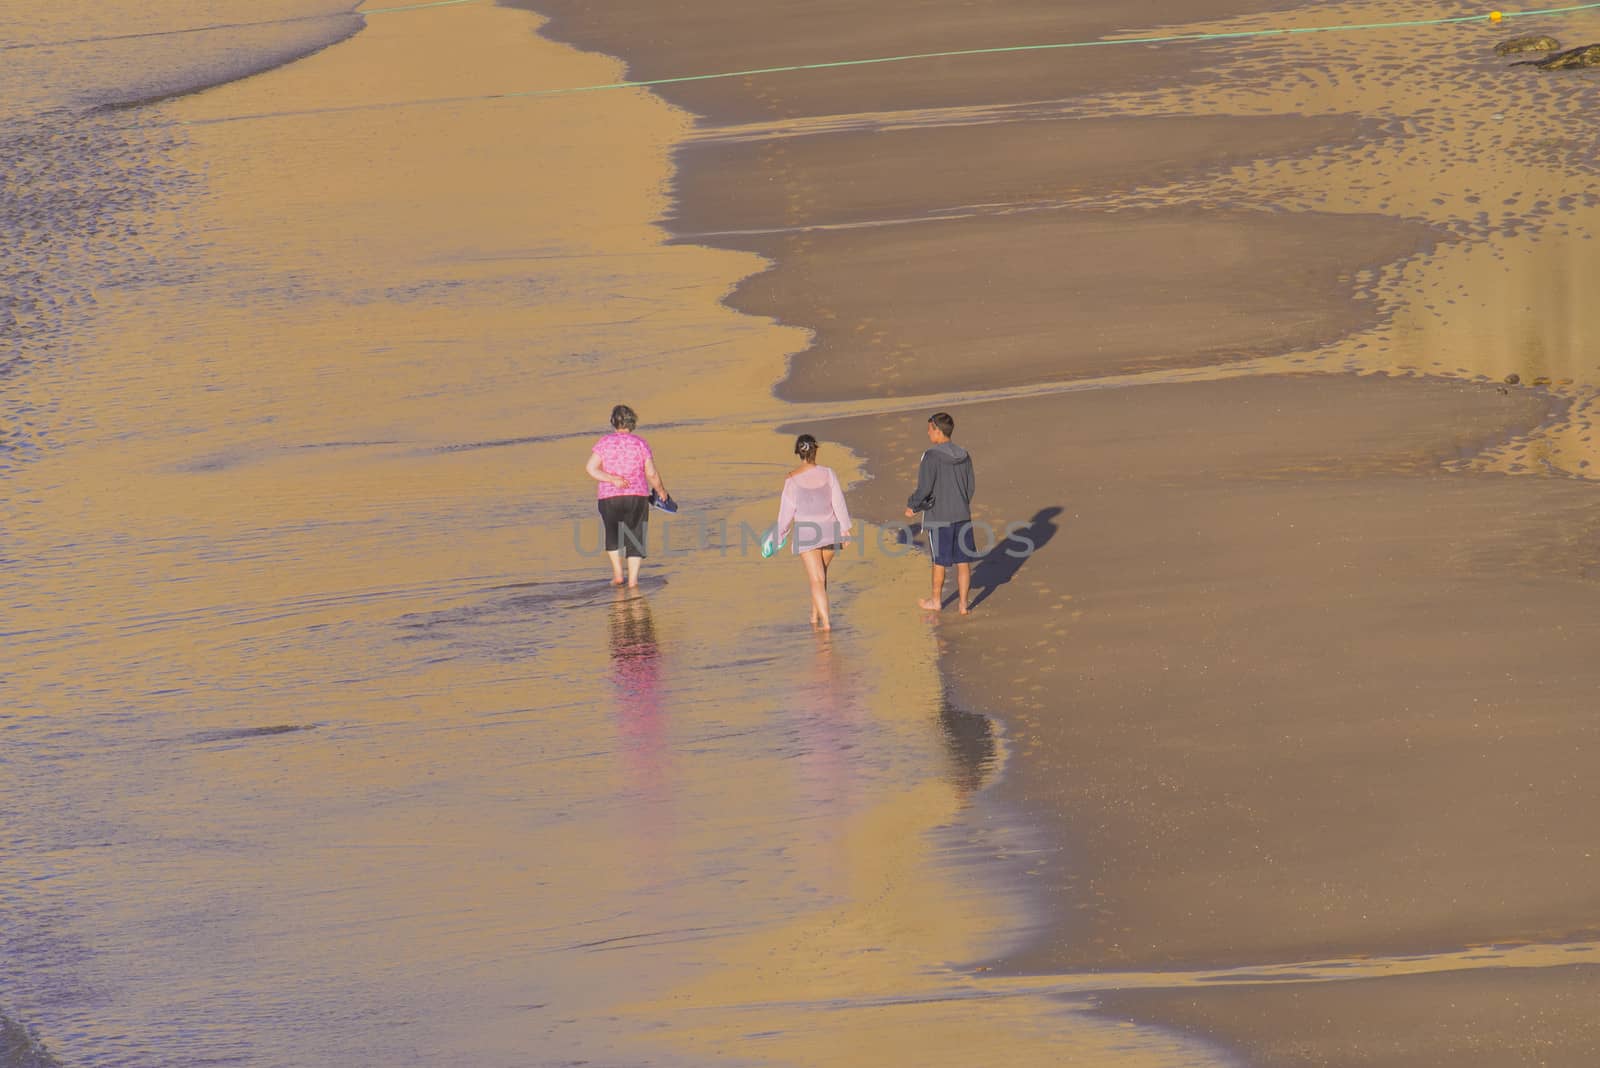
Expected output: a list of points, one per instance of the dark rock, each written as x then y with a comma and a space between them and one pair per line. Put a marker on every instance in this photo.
1513, 378
1587, 56
1537, 42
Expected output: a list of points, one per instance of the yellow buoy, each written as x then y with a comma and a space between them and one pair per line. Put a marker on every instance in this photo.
1495, 16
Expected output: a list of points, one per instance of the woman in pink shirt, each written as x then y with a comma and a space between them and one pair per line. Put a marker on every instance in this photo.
813, 509
625, 470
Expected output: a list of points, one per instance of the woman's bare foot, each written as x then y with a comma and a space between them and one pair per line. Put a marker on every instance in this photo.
928, 604
616, 580
964, 610
824, 624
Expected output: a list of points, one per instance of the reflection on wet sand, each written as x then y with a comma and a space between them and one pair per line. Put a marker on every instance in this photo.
635, 663
898, 876
638, 709
969, 739
827, 720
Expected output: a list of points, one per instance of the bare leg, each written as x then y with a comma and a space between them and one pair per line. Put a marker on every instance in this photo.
827, 558
817, 576
633, 570
964, 584
936, 602
616, 566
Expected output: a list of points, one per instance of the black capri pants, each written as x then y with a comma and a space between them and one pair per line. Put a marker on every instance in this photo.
624, 520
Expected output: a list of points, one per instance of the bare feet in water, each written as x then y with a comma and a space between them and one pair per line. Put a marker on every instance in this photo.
928, 604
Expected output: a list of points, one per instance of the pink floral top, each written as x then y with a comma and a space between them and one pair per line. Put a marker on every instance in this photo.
625, 455
813, 507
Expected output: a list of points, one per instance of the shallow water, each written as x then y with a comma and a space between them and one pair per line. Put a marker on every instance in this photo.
323, 741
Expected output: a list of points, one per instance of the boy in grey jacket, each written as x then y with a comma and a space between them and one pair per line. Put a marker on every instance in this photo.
945, 482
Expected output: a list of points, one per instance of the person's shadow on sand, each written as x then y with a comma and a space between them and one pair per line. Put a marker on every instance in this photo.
1001, 563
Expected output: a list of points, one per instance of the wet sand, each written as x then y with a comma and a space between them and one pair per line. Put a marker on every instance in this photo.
890, 166
895, 310
899, 312
325, 744
1470, 1019
1301, 670
325, 741
1270, 667
365, 764
709, 36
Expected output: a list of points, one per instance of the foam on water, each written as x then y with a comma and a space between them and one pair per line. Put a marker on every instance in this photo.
89, 192
75, 55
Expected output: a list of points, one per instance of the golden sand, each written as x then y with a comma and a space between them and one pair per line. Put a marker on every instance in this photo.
1293, 681
417, 764
1293, 678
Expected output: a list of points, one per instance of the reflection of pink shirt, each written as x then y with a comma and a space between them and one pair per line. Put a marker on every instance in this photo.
625, 455
813, 498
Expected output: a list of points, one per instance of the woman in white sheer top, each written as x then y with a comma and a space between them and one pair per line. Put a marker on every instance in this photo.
813, 510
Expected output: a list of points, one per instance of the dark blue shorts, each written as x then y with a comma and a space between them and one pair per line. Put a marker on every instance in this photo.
952, 544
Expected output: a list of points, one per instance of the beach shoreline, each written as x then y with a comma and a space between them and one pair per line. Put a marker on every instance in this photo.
1355, 505
1291, 699
324, 491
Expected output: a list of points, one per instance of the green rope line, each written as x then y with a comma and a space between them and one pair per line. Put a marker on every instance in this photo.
1174, 39
647, 83
411, 7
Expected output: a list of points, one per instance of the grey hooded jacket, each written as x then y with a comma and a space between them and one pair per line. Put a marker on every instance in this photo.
945, 483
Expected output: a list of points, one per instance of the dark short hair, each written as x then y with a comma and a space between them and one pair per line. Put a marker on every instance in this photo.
942, 420
805, 447
624, 418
